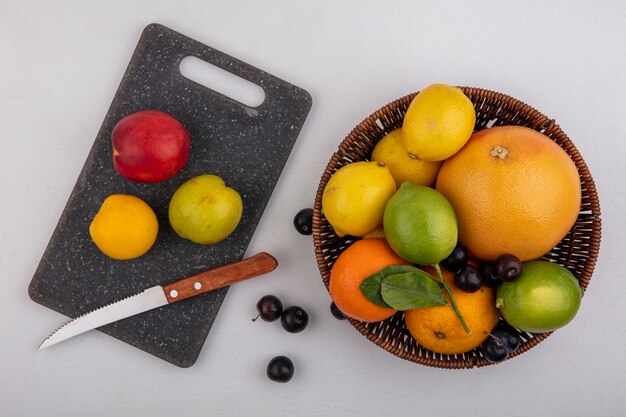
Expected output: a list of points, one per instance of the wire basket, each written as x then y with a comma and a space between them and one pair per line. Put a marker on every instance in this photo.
578, 251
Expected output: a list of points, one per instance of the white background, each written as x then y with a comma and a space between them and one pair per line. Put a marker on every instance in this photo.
61, 63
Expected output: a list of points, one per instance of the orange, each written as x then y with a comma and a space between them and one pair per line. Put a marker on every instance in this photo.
125, 227
360, 260
514, 190
439, 329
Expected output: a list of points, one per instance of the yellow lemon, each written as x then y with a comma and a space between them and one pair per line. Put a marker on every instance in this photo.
355, 197
403, 165
125, 227
438, 123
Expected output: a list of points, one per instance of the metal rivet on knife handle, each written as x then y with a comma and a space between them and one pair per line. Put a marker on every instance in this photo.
222, 276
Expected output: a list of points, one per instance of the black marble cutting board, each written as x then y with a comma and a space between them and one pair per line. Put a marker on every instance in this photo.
247, 147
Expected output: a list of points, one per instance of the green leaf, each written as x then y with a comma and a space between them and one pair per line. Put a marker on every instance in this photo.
370, 287
409, 290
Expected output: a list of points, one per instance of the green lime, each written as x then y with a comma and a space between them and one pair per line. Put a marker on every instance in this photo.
544, 298
420, 224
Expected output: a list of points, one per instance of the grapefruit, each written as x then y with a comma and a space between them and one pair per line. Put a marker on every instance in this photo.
514, 190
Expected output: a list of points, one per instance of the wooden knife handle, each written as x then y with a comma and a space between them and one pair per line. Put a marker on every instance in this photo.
219, 277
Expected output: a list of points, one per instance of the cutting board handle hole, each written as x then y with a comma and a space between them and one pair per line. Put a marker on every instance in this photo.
222, 81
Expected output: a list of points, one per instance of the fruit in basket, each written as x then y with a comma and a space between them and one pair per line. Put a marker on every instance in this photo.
494, 350
544, 298
149, 146
125, 227
500, 343
360, 260
508, 336
438, 328
456, 260
508, 267
355, 197
403, 165
204, 210
438, 122
514, 191
487, 270
468, 279
420, 224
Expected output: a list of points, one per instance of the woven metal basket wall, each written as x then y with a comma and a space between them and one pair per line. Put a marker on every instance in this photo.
578, 251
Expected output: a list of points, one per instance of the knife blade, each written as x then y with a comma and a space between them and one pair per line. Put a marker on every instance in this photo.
159, 296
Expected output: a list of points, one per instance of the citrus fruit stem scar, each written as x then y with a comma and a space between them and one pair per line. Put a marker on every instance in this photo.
499, 152
452, 301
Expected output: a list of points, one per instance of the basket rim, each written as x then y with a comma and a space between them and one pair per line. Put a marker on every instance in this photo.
480, 97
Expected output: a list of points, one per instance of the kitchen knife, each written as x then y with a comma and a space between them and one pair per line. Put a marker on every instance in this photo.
158, 295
